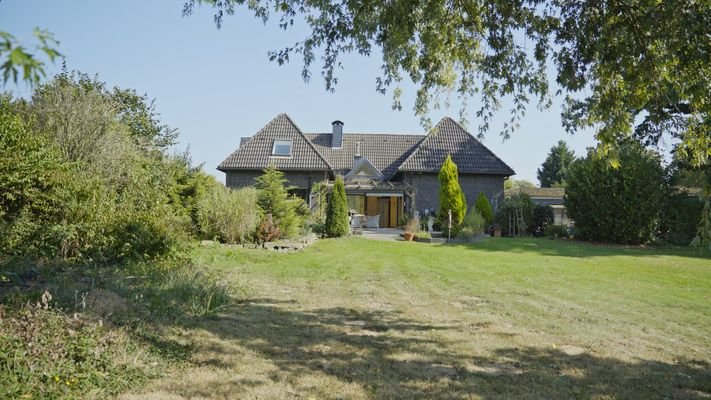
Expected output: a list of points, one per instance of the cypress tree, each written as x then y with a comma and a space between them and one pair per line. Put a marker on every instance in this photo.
483, 206
337, 211
451, 196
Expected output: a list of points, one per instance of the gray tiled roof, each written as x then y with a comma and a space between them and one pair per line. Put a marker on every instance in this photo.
389, 153
385, 151
556, 193
256, 152
448, 137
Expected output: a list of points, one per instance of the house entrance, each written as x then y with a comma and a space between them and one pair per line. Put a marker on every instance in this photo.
389, 208
384, 211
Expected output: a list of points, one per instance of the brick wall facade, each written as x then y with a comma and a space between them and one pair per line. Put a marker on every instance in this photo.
300, 179
427, 189
426, 185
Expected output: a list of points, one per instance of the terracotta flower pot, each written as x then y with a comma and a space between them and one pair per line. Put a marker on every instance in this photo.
408, 236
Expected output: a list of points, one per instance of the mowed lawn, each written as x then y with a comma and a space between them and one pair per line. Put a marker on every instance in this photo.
504, 318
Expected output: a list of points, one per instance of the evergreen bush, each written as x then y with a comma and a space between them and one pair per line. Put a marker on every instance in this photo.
680, 218
616, 203
483, 207
274, 199
337, 211
473, 225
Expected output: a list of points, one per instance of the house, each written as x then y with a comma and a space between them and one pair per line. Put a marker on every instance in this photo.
385, 174
547, 197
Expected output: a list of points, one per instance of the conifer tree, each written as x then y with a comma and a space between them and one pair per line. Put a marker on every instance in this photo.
337, 211
274, 200
555, 168
483, 206
451, 196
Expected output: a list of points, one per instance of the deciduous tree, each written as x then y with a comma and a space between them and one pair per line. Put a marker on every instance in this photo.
19, 62
617, 62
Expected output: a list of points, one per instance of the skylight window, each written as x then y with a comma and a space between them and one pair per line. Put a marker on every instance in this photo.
282, 148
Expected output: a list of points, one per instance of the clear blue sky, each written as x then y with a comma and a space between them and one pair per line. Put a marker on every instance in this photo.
217, 86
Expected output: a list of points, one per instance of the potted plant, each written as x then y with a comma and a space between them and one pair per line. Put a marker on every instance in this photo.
411, 228
497, 230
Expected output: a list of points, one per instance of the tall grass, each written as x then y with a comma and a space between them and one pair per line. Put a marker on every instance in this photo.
45, 354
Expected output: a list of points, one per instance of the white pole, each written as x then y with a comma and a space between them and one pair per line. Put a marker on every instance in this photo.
449, 231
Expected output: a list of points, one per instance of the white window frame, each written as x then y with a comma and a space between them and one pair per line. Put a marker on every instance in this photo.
282, 142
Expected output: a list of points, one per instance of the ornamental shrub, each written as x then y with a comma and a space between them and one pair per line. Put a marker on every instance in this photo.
451, 196
680, 218
542, 217
274, 199
474, 224
483, 207
337, 211
556, 231
230, 216
618, 204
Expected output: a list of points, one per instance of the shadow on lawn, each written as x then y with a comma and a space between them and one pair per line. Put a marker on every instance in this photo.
387, 356
576, 249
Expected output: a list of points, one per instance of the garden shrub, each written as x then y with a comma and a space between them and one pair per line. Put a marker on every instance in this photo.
451, 197
473, 225
483, 207
616, 204
423, 235
542, 217
75, 184
556, 231
702, 240
274, 199
337, 211
680, 218
230, 216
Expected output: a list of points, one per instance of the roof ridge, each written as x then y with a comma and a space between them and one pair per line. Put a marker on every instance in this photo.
239, 149
482, 144
419, 145
313, 147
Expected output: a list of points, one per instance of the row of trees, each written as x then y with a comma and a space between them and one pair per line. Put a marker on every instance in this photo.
627, 197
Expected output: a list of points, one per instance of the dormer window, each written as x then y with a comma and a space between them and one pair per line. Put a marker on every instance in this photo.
282, 148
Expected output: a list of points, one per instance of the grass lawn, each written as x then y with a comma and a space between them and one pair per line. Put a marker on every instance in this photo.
504, 318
